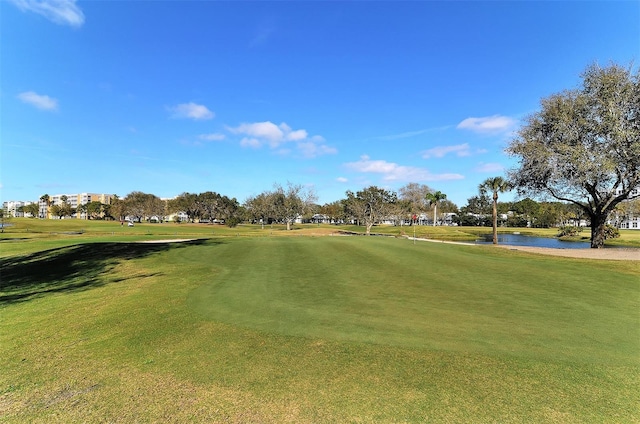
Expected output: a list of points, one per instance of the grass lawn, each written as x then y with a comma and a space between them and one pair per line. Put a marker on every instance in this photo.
311, 329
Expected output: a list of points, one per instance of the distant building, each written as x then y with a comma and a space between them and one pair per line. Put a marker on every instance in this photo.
630, 220
179, 216
12, 207
74, 200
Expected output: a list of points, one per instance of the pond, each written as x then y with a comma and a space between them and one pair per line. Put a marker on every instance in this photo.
520, 240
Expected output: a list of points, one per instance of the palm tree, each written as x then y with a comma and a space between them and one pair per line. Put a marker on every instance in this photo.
434, 198
495, 185
45, 198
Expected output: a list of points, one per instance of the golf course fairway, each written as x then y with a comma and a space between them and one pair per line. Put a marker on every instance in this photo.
316, 329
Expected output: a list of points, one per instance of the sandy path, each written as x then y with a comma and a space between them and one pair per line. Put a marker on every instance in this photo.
610, 254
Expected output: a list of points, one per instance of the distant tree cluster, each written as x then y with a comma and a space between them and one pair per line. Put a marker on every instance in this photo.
522, 213
208, 206
282, 205
31, 209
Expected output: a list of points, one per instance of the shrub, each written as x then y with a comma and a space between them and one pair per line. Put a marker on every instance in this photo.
517, 221
232, 222
569, 231
611, 232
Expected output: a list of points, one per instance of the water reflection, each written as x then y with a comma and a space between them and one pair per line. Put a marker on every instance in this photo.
520, 240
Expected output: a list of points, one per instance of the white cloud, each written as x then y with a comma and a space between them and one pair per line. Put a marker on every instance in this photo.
191, 111
297, 135
250, 142
40, 101
490, 167
64, 12
212, 137
310, 149
263, 132
258, 134
393, 172
342, 180
488, 124
460, 150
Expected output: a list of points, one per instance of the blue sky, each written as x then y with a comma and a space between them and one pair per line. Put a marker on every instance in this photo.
167, 97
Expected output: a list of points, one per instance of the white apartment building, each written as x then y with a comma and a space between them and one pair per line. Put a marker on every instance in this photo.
12, 207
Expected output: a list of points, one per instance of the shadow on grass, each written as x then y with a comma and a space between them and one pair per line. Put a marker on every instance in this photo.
73, 268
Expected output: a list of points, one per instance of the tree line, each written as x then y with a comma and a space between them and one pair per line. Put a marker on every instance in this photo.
579, 154
370, 206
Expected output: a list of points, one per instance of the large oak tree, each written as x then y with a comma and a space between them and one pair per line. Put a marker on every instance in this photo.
583, 146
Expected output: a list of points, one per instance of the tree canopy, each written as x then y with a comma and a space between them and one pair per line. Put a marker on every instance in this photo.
284, 204
370, 205
583, 145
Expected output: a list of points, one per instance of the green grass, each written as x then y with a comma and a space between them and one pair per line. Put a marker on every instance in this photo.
72, 231
312, 329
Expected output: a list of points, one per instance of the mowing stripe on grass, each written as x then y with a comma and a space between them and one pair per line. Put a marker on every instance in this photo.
446, 297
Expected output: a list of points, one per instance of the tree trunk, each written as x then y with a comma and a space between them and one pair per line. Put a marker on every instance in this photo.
369, 225
598, 224
435, 214
495, 219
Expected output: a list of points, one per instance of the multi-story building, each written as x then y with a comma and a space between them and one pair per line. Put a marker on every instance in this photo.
12, 207
74, 200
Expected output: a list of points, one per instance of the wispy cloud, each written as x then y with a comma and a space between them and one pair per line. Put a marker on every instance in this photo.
40, 101
311, 149
202, 139
391, 171
191, 111
63, 12
212, 137
489, 167
459, 150
488, 125
409, 134
250, 142
342, 179
258, 134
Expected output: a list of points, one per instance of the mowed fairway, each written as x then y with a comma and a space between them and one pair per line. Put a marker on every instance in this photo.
318, 329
